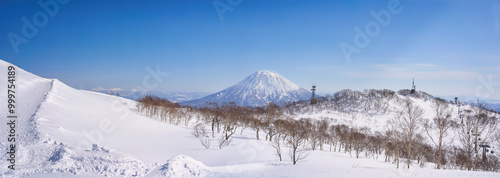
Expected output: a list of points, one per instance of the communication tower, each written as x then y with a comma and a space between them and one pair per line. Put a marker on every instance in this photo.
313, 98
413, 87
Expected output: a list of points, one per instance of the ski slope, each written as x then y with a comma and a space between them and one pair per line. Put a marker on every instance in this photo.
64, 132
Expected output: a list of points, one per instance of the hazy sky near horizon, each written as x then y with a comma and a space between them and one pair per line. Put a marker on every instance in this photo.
450, 47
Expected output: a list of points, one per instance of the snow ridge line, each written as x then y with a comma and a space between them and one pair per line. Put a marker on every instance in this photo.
32, 121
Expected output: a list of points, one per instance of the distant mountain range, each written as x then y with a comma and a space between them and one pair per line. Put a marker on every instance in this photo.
257, 89
251, 88
175, 96
490, 103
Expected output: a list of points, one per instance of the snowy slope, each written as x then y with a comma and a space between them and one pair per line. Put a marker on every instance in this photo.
30, 92
362, 116
64, 132
42, 140
257, 90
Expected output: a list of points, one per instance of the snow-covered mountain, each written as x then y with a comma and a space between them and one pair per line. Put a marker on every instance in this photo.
257, 89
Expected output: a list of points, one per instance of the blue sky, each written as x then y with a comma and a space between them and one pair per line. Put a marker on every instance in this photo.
450, 46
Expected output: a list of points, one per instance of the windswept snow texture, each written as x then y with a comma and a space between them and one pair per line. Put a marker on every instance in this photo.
257, 90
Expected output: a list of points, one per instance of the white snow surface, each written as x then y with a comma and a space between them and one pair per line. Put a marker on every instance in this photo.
64, 132
257, 89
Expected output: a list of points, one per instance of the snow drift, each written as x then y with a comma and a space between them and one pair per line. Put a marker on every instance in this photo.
64, 130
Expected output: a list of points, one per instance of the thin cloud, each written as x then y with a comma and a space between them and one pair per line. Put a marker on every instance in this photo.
405, 71
424, 75
404, 67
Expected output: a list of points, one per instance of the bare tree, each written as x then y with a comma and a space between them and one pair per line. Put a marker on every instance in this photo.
296, 137
230, 116
358, 141
342, 134
442, 122
213, 113
277, 147
321, 129
484, 127
393, 146
256, 122
407, 122
273, 112
477, 130
202, 135
224, 142
245, 118
333, 137
465, 137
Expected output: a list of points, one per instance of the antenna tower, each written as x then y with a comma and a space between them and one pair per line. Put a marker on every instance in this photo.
460, 116
413, 87
313, 98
